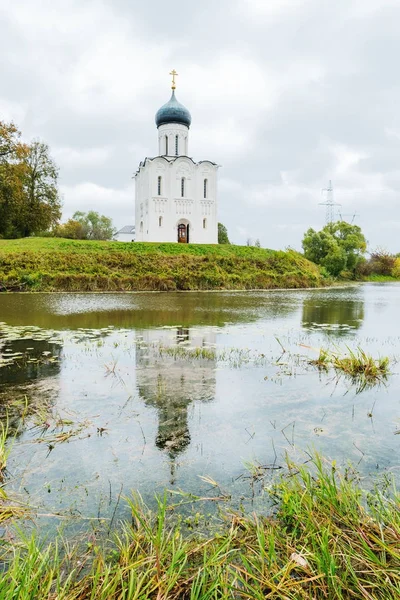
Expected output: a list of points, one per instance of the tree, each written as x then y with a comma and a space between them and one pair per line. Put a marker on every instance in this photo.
87, 226
351, 239
335, 261
29, 198
337, 247
222, 234
12, 170
71, 230
43, 206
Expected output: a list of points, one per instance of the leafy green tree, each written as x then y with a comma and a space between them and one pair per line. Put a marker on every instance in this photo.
335, 261
317, 244
43, 202
222, 234
351, 239
338, 246
87, 226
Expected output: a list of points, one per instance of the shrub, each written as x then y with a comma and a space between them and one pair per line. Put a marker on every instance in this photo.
382, 262
396, 268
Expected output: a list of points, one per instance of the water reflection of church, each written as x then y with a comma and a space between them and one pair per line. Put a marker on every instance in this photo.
171, 385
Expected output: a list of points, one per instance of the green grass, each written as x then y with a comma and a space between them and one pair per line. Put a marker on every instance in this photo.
358, 363
53, 264
363, 369
379, 278
327, 540
8, 509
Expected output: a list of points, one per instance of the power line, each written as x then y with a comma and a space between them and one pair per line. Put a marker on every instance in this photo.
352, 215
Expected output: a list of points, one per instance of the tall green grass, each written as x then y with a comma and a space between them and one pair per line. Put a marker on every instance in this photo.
51, 264
363, 369
321, 543
9, 508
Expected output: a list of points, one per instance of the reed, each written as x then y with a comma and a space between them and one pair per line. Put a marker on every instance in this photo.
358, 362
361, 368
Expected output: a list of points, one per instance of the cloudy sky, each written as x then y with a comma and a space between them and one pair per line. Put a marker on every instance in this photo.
284, 95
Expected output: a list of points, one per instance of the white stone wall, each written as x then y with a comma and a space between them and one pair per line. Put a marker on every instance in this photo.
169, 206
172, 131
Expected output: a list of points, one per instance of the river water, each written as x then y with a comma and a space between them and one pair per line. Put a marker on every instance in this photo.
144, 392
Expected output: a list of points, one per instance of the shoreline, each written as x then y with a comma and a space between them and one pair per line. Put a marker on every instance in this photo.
202, 291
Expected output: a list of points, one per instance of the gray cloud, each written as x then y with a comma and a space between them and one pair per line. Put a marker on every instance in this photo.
285, 94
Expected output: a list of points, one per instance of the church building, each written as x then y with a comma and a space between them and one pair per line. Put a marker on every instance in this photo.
176, 198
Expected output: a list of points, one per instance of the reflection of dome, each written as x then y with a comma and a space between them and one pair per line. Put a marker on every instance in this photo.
173, 112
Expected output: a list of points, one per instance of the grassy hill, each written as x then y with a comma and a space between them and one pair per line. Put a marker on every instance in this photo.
53, 264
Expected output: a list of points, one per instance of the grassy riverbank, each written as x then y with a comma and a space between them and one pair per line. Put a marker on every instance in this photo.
53, 264
380, 278
321, 542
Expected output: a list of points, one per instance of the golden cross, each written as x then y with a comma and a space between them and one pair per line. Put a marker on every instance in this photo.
174, 74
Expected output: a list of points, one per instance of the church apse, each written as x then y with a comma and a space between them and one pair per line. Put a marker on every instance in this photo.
172, 384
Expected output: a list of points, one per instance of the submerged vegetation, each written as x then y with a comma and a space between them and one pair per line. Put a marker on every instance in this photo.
50, 264
320, 542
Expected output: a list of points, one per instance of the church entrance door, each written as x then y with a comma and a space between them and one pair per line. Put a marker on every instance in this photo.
183, 233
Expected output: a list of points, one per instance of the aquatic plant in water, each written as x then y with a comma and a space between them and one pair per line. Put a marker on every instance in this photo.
360, 367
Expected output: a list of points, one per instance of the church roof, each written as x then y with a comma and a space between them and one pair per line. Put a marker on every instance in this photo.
127, 229
173, 112
171, 159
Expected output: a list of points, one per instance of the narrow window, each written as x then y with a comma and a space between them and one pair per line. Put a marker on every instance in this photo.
176, 145
160, 221
159, 185
141, 226
204, 223
205, 188
183, 187
166, 145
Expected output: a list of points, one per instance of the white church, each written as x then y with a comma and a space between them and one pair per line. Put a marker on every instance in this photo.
175, 197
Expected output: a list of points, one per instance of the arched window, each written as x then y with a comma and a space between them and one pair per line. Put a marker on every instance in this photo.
159, 185
176, 145
205, 188
183, 185
166, 145
160, 221
204, 223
